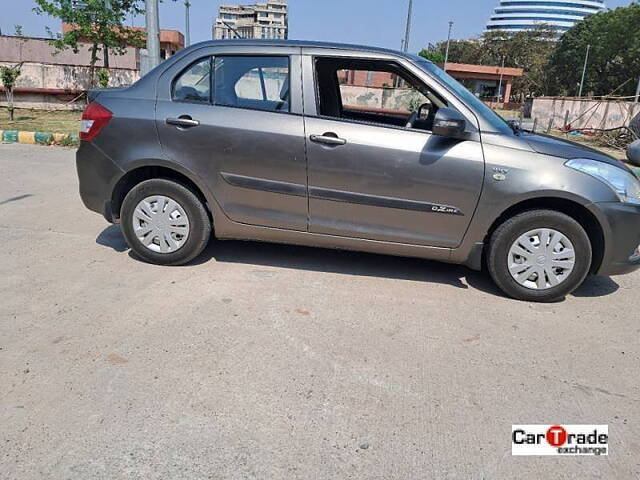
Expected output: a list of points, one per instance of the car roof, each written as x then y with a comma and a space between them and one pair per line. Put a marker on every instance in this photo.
249, 42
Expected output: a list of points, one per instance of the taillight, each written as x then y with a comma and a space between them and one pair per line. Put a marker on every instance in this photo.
94, 119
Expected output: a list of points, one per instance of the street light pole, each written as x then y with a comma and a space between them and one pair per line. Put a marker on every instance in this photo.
407, 32
446, 56
187, 28
584, 71
153, 32
500, 84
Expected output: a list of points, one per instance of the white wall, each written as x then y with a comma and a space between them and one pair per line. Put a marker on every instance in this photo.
583, 113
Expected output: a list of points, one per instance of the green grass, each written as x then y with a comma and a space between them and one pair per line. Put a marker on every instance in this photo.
48, 121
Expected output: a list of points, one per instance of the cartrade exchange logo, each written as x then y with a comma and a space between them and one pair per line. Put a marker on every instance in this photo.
560, 440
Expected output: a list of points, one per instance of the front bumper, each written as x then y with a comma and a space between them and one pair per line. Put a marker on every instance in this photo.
96, 174
622, 238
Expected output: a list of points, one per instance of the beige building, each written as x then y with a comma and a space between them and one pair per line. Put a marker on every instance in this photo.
267, 20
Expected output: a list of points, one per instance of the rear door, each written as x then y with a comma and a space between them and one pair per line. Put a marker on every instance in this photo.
370, 176
235, 120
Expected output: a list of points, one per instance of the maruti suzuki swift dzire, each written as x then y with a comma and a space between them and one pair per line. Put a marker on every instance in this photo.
354, 148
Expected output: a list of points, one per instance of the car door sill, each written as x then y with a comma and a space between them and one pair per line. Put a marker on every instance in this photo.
229, 230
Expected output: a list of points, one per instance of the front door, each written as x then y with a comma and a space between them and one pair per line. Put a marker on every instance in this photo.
231, 119
373, 177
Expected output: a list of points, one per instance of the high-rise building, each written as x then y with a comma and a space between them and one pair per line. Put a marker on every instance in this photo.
517, 15
260, 20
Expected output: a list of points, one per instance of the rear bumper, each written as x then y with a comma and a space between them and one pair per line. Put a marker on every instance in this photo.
622, 238
96, 175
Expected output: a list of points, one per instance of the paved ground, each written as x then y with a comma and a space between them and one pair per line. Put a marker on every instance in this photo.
273, 362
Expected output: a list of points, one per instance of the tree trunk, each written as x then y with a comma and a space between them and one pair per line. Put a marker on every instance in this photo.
92, 65
10, 107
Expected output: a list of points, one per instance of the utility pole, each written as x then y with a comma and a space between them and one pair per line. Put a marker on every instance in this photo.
153, 32
638, 92
407, 33
584, 71
187, 28
500, 84
446, 56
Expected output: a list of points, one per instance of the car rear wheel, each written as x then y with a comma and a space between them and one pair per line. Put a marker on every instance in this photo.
164, 222
539, 255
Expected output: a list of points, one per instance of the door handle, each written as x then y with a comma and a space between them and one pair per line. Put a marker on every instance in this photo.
328, 139
185, 122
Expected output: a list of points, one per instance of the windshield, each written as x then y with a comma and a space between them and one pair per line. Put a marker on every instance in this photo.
497, 123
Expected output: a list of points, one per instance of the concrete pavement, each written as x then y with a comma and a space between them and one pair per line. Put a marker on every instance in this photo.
267, 361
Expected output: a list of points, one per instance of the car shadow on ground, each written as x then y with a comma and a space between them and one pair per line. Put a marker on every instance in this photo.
349, 263
112, 237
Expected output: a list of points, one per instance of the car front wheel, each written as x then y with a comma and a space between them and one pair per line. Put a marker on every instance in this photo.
539, 255
164, 222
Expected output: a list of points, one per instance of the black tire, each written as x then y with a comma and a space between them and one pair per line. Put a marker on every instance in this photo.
507, 233
199, 222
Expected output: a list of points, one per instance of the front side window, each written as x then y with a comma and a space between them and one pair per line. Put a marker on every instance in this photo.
373, 91
194, 84
259, 83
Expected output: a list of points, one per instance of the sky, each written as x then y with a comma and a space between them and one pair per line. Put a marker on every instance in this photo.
369, 22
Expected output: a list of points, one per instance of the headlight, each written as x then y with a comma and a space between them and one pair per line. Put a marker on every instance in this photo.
625, 184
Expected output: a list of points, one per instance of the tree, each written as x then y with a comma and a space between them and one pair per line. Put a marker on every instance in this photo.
460, 51
432, 55
18, 30
9, 76
527, 49
100, 23
103, 78
614, 56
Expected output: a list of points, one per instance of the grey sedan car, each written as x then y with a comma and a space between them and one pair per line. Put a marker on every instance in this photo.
350, 147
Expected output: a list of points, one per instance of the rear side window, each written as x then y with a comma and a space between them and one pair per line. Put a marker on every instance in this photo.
259, 83
194, 84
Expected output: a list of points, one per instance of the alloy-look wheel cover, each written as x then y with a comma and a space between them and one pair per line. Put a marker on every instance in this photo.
541, 259
161, 224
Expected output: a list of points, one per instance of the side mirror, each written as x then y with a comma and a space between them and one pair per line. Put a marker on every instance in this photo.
449, 123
